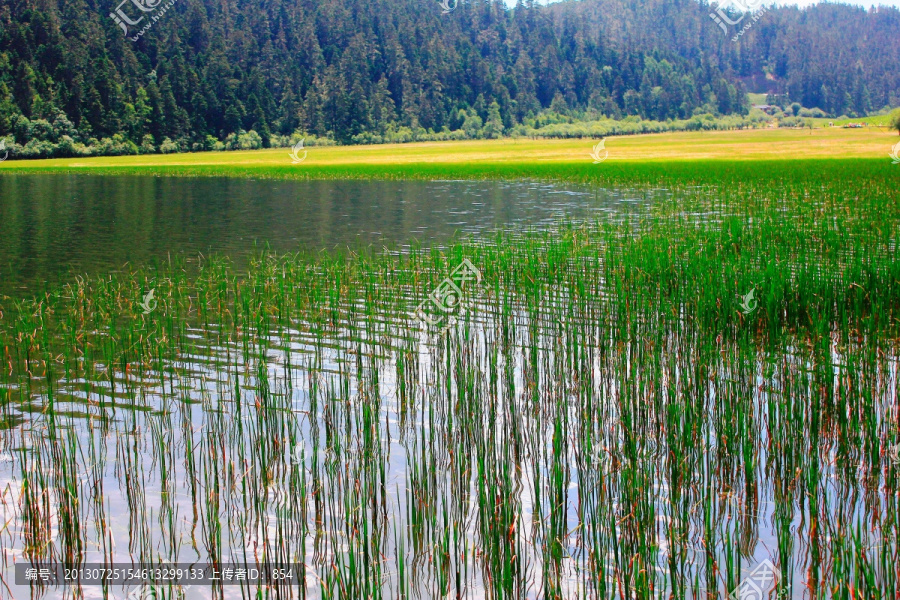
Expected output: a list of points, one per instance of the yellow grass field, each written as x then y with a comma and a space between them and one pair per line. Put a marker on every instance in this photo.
770, 144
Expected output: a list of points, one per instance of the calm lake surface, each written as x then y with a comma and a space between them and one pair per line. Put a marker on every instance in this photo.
55, 226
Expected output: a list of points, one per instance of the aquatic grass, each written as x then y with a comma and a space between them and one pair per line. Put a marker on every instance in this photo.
604, 421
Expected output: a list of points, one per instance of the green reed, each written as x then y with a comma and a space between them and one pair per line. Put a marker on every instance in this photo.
605, 420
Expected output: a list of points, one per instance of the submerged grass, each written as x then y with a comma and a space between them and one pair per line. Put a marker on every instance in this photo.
611, 418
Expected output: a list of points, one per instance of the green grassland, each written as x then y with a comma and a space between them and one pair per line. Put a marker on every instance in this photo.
872, 121
640, 157
757, 98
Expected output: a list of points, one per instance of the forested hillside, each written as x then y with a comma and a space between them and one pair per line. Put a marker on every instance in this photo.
842, 59
206, 69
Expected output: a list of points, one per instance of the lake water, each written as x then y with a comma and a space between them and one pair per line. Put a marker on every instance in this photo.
550, 444
55, 226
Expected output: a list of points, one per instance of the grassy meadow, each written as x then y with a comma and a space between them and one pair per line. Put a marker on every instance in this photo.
505, 157
649, 406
